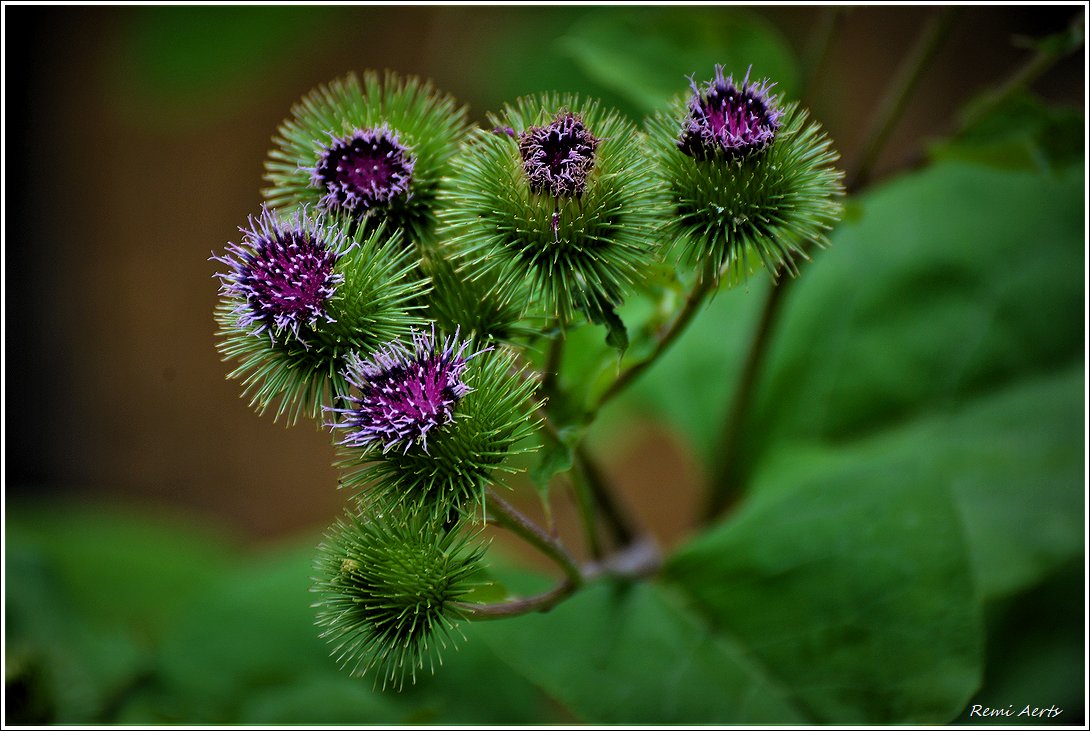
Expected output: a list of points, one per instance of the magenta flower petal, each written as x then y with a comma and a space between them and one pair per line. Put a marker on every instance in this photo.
282, 273
404, 393
558, 156
729, 118
366, 169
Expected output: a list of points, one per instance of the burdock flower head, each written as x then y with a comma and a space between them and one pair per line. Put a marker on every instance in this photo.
375, 148
404, 392
389, 587
430, 423
302, 292
282, 274
748, 183
557, 157
555, 205
728, 118
367, 169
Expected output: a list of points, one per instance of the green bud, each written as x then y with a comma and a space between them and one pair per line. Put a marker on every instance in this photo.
376, 150
747, 187
449, 467
555, 206
388, 584
289, 358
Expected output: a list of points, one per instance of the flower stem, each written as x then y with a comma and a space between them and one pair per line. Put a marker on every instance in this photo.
820, 43
614, 515
514, 607
1046, 57
900, 91
505, 514
553, 358
726, 482
637, 561
726, 485
697, 294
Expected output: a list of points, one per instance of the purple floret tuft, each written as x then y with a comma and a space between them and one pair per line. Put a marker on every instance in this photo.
558, 156
282, 273
367, 169
404, 392
733, 119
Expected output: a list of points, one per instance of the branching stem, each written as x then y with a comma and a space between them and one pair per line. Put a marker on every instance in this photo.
704, 286
505, 514
899, 92
639, 560
514, 607
725, 483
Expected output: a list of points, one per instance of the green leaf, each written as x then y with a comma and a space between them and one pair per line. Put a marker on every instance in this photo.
248, 652
556, 455
1019, 131
846, 566
185, 58
629, 654
846, 575
1014, 463
121, 566
616, 335
955, 281
60, 665
644, 55
1035, 656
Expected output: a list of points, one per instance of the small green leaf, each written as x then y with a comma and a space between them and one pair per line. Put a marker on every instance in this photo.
556, 455
617, 334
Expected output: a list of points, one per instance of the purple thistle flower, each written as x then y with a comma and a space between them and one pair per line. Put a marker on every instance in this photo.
736, 119
404, 392
366, 169
283, 272
557, 157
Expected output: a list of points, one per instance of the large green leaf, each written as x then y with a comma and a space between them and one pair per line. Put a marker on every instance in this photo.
121, 566
631, 654
256, 630
1014, 464
946, 283
58, 666
1036, 643
851, 584
953, 282
846, 569
90, 586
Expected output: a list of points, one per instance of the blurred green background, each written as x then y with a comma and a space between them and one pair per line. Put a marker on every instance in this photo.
914, 454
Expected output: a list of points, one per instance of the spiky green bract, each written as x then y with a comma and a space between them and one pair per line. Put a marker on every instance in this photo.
729, 214
428, 123
295, 376
470, 305
553, 255
491, 424
388, 584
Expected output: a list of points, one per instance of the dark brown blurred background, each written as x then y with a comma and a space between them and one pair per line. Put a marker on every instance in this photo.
135, 143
